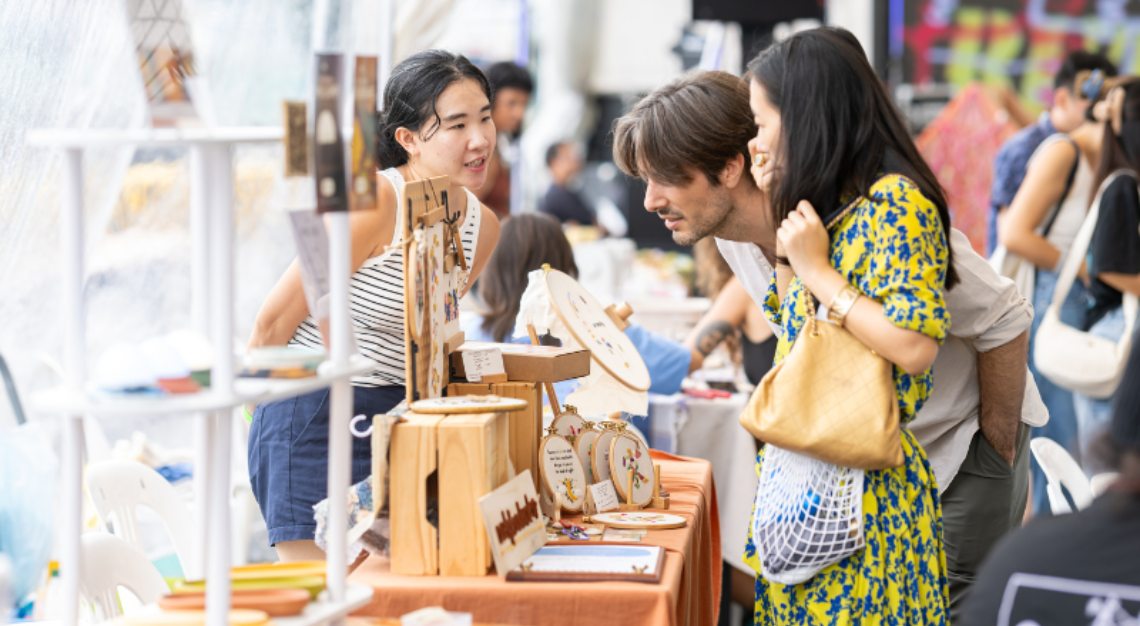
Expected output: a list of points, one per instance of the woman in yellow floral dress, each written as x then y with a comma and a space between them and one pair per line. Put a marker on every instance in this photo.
857, 206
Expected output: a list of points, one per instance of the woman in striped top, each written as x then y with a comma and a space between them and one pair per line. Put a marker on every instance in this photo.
436, 121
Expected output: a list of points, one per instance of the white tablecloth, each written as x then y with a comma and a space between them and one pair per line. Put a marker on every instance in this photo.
709, 429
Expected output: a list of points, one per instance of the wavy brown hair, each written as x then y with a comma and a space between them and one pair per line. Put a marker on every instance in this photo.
525, 243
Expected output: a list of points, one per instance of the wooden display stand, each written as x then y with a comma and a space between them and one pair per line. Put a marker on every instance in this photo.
467, 454
525, 426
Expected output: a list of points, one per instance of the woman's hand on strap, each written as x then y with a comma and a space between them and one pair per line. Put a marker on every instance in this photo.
804, 240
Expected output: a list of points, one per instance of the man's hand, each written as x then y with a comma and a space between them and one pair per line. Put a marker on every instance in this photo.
1001, 390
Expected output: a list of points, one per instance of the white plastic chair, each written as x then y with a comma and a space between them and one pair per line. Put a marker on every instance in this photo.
119, 487
109, 563
1061, 471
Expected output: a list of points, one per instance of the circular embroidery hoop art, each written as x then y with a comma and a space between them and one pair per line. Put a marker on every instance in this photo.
627, 453
639, 519
585, 447
562, 471
569, 424
453, 405
587, 321
600, 455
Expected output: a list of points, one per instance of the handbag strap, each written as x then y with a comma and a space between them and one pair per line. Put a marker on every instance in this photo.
1077, 253
1052, 219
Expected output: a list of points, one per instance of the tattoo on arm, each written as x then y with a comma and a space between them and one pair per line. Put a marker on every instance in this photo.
712, 335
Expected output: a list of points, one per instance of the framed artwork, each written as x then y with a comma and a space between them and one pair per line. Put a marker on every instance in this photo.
363, 189
329, 151
165, 56
592, 561
631, 469
586, 319
424, 283
562, 472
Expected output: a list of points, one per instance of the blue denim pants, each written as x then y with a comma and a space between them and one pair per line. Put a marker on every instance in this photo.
1062, 425
288, 456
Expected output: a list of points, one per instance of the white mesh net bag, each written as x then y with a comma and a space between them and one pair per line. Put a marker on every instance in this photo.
808, 515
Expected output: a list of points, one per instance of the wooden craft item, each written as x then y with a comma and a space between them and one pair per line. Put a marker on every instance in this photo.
296, 138
640, 519
585, 448
363, 192
551, 395
579, 562
274, 602
472, 463
424, 284
513, 522
660, 496
569, 424
562, 473
453, 405
586, 319
329, 151
381, 439
620, 313
525, 426
413, 459
631, 465
529, 363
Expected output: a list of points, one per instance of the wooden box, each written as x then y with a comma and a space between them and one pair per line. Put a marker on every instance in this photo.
525, 427
472, 463
527, 363
450, 461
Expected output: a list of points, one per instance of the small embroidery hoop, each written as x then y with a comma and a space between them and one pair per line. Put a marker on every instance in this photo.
579, 474
458, 405
664, 521
620, 477
599, 468
585, 449
566, 421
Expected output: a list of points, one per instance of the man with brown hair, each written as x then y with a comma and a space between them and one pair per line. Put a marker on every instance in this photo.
689, 142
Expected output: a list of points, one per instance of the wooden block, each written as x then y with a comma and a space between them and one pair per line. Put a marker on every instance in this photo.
472, 463
413, 461
525, 426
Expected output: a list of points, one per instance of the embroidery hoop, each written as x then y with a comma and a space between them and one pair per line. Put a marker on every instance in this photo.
639, 519
643, 489
569, 424
585, 448
600, 463
587, 321
458, 405
577, 475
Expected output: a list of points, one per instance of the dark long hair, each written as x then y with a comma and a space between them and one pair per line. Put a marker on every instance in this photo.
840, 131
1114, 155
410, 97
526, 242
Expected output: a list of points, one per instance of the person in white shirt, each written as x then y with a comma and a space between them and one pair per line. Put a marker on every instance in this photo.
689, 141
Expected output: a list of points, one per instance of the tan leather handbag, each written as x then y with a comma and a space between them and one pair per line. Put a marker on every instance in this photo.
832, 398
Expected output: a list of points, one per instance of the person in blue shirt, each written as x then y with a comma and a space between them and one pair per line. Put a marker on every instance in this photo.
527, 241
1066, 112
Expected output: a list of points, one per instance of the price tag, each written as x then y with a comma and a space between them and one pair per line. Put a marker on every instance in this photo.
480, 363
605, 496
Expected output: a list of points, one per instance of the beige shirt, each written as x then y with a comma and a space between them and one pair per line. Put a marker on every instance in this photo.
986, 312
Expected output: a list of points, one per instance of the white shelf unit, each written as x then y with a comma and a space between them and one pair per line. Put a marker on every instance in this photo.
212, 291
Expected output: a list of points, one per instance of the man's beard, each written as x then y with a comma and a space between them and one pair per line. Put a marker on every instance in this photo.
712, 223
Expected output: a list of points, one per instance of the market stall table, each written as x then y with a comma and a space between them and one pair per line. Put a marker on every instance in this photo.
688, 594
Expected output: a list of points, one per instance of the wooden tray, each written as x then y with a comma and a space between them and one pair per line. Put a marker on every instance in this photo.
274, 602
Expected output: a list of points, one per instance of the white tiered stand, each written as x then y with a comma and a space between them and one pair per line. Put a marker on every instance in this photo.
212, 284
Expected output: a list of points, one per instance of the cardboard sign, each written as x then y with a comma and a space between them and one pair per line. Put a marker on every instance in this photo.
605, 496
484, 365
514, 524
313, 254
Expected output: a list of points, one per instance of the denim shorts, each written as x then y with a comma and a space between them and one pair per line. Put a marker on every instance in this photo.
288, 456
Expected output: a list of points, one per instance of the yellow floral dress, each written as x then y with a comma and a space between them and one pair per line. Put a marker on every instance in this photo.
893, 248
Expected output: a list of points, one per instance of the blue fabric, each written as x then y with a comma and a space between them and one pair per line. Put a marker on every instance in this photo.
1062, 424
668, 361
288, 456
1093, 415
1009, 170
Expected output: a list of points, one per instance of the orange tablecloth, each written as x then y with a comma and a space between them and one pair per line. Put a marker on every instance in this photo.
688, 594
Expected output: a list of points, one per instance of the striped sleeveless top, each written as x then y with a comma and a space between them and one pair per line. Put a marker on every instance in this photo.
376, 299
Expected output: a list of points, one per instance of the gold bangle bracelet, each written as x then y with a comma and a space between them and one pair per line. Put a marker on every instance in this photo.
842, 303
